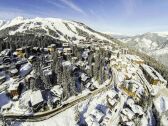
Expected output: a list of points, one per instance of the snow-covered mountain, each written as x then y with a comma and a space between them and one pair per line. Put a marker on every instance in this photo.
2, 23
154, 44
117, 35
56, 28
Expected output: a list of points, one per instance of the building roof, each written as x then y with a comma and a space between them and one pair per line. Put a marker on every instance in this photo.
57, 90
91, 121
14, 71
128, 113
84, 77
97, 114
134, 58
66, 63
149, 71
2, 77
36, 98
14, 86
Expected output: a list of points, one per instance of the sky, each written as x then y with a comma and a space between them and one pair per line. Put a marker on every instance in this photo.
128, 17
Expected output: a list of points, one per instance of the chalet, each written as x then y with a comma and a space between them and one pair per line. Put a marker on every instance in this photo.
65, 45
90, 86
152, 75
124, 51
51, 48
135, 108
20, 52
25, 69
14, 90
130, 123
59, 51
13, 72
74, 59
111, 102
32, 59
97, 114
20, 63
2, 79
91, 121
67, 51
135, 59
127, 112
6, 52
123, 118
6, 107
106, 119
113, 95
84, 78
36, 50
44, 50
36, 100
57, 95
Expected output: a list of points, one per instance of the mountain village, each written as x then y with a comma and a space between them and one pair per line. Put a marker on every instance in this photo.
63, 73
38, 80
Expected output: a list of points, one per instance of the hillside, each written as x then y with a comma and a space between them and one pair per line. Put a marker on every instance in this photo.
153, 44
58, 29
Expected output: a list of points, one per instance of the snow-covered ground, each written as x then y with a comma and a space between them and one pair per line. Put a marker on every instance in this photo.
68, 28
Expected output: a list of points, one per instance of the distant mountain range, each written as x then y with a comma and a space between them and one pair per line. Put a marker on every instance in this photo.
153, 44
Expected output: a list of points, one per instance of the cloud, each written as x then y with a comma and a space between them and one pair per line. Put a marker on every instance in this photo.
73, 6
56, 4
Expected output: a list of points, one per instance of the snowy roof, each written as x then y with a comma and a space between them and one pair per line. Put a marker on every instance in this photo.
66, 63
14, 71
130, 102
57, 90
149, 71
98, 114
4, 99
164, 119
112, 94
14, 86
85, 54
131, 123
31, 57
36, 97
88, 84
2, 77
7, 106
137, 109
52, 45
25, 69
124, 117
84, 77
133, 57
112, 101
128, 113
5, 52
91, 121
161, 104
47, 72
158, 75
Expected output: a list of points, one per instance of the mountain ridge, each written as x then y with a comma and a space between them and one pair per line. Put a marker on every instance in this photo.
154, 44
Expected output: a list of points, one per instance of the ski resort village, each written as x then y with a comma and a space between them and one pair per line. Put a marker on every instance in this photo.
66, 74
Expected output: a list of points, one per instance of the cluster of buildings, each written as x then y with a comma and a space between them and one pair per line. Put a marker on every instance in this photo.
18, 75
27, 73
130, 112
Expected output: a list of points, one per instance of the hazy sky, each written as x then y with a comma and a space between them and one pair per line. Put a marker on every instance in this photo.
117, 16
